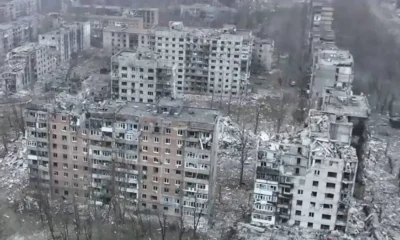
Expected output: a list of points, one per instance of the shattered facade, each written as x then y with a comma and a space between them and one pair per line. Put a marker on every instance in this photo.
209, 61
308, 179
25, 65
69, 39
160, 157
141, 76
14, 34
150, 16
12, 10
117, 38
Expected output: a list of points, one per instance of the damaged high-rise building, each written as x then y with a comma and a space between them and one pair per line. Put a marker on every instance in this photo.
159, 157
307, 180
68, 39
25, 65
141, 76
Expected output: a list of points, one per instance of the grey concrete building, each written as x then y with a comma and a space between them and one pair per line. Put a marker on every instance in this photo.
12, 10
25, 65
69, 39
116, 38
159, 157
263, 53
209, 61
141, 77
150, 16
307, 181
14, 34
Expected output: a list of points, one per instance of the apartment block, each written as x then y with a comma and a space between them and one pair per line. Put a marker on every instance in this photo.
141, 76
25, 65
308, 180
37, 143
263, 53
150, 16
160, 157
117, 38
332, 67
12, 10
209, 61
14, 34
69, 39
99, 22
57, 155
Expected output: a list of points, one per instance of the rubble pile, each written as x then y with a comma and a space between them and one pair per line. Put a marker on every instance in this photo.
14, 169
379, 211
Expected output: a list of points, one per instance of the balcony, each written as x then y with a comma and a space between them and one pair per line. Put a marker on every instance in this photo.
101, 176
44, 168
286, 195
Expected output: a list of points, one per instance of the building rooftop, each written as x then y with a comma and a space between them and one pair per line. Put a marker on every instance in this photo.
335, 57
206, 32
342, 103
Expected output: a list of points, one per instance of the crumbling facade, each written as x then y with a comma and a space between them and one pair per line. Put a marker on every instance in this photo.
209, 61
14, 34
160, 157
25, 65
141, 77
117, 38
12, 10
69, 39
307, 181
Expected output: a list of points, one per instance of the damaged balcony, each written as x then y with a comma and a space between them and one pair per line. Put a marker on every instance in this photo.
196, 177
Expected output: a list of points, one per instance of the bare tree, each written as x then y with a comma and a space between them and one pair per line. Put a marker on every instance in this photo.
162, 221
198, 211
243, 150
5, 136
181, 224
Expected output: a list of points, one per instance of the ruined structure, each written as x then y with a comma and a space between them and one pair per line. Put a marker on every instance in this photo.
141, 76
263, 53
15, 33
25, 65
14, 9
158, 156
69, 39
307, 179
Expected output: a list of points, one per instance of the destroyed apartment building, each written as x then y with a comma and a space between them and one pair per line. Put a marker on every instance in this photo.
158, 156
69, 39
208, 61
308, 179
14, 34
141, 76
25, 65
331, 68
13, 9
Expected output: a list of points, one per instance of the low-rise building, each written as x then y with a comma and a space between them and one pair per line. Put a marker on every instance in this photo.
141, 76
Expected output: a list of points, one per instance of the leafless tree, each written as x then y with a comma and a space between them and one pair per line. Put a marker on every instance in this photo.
280, 110
162, 222
198, 211
243, 150
77, 221
5, 136
181, 224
